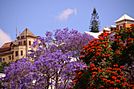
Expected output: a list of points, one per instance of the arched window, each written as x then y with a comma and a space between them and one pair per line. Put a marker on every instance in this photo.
21, 52
29, 42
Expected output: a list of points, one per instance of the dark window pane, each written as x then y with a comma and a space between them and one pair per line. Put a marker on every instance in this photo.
0, 59
20, 43
12, 57
24, 42
3, 59
9, 57
16, 53
22, 37
29, 42
21, 52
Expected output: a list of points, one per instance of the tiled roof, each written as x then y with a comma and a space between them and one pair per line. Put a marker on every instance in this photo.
5, 47
124, 17
27, 32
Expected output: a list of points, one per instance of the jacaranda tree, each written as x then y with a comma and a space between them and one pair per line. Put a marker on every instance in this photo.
52, 62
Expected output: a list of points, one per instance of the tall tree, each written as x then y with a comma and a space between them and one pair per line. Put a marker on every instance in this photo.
54, 65
94, 24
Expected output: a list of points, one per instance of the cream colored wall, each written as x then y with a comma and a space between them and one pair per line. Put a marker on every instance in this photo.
22, 48
127, 24
6, 57
122, 22
19, 49
32, 40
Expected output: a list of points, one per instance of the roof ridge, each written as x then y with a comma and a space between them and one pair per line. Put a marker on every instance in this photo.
124, 17
26, 32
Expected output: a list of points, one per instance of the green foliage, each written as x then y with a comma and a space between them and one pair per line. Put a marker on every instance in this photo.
94, 24
2, 65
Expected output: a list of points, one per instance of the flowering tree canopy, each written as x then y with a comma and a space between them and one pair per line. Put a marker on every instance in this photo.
52, 62
109, 61
67, 41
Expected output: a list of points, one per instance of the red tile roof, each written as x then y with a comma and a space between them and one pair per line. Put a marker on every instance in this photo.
5, 47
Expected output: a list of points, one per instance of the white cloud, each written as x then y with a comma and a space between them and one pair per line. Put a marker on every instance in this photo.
4, 37
65, 14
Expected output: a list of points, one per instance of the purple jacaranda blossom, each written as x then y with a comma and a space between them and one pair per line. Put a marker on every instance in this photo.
52, 62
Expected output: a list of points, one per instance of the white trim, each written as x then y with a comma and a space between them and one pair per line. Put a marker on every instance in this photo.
124, 17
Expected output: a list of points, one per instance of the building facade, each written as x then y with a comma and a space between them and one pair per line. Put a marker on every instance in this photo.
18, 48
124, 22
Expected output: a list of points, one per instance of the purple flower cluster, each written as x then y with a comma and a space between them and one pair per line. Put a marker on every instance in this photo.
51, 63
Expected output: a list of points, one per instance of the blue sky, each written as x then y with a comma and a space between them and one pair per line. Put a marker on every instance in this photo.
48, 15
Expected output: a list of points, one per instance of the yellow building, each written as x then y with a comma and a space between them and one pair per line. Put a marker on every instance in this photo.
124, 21
18, 48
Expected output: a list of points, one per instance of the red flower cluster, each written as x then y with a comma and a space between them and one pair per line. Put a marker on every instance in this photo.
98, 49
103, 57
